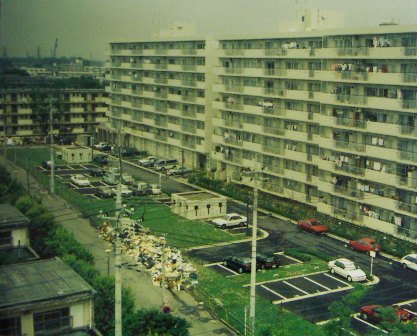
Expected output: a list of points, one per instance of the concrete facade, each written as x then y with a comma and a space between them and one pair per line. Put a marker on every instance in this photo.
330, 116
75, 154
198, 205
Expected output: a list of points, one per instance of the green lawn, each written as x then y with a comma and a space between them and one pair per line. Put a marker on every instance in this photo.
180, 232
227, 298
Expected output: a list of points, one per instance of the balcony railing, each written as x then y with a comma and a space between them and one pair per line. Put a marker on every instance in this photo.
350, 169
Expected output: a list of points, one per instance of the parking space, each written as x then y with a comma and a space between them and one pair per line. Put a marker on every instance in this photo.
302, 287
366, 327
225, 271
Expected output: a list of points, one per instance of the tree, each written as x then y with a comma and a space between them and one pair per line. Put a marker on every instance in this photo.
104, 305
152, 321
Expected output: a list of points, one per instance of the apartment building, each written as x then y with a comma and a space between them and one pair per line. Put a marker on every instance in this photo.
45, 297
13, 227
327, 118
24, 113
159, 93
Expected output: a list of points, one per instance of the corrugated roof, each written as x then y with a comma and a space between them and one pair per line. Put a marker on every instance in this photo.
10, 217
38, 281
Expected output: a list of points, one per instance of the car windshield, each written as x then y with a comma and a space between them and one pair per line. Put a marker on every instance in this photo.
226, 217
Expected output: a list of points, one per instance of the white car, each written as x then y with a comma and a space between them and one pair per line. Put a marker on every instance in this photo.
80, 180
125, 191
147, 162
409, 261
347, 268
127, 179
100, 145
230, 220
156, 189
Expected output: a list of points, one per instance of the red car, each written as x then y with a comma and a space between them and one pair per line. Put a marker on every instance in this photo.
312, 225
376, 313
365, 245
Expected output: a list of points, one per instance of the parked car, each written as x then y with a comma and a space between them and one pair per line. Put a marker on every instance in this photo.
312, 225
125, 191
163, 165
127, 179
377, 313
101, 159
80, 180
111, 178
47, 164
148, 162
106, 148
365, 245
230, 220
409, 261
347, 269
103, 192
179, 171
239, 264
100, 145
96, 172
140, 192
267, 261
155, 189
130, 152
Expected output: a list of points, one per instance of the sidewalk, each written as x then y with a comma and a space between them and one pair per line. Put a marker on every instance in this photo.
146, 295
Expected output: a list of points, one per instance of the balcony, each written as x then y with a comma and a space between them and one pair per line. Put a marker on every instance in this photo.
380, 225
383, 176
407, 207
381, 152
273, 149
25, 122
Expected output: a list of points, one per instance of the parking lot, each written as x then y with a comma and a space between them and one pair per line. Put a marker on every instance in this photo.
301, 287
226, 271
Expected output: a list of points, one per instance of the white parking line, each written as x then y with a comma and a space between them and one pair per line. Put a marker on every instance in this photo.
84, 167
212, 264
222, 266
331, 276
295, 287
273, 292
302, 297
318, 284
292, 258
369, 324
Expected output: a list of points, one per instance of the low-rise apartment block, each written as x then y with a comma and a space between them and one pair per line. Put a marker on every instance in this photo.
327, 118
45, 297
24, 113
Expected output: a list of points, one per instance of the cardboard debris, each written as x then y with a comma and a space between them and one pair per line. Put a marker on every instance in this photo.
154, 255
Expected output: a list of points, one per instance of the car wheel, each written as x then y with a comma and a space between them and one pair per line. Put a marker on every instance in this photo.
223, 226
242, 224
332, 270
349, 278
351, 247
240, 270
404, 266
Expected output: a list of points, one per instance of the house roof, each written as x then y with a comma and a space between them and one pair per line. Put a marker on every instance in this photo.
11, 217
199, 196
33, 284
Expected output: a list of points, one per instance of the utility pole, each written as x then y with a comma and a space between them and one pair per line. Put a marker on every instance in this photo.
182, 156
51, 135
92, 148
118, 252
253, 259
27, 175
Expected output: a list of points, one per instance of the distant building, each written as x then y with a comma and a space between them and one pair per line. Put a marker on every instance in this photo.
45, 297
24, 113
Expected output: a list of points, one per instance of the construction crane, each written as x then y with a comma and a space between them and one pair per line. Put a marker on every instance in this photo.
55, 48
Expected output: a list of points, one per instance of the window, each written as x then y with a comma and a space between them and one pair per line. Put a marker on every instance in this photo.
10, 326
59, 319
5, 238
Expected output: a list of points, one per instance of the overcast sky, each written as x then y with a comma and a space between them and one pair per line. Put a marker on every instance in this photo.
84, 27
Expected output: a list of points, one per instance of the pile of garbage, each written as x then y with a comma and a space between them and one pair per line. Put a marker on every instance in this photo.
153, 254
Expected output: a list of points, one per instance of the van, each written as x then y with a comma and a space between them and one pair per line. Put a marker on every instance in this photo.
163, 164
